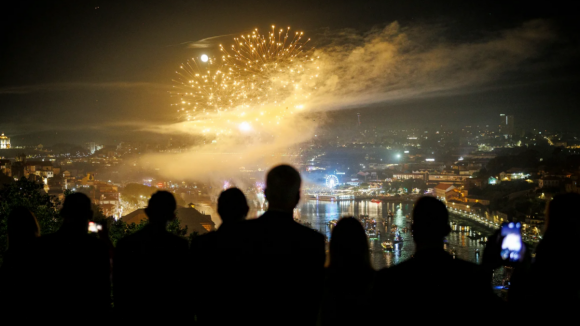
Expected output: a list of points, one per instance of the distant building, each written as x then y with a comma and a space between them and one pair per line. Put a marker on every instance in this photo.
411, 176
550, 182
444, 191
477, 200
513, 174
6, 167
448, 178
4, 142
507, 125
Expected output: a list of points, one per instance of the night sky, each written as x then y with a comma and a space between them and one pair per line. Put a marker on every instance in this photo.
75, 71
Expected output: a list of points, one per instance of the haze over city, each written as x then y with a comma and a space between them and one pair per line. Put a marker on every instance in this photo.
310, 161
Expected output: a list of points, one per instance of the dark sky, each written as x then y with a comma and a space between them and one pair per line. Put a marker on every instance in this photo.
74, 71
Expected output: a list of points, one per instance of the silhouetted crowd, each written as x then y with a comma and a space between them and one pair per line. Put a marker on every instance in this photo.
274, 271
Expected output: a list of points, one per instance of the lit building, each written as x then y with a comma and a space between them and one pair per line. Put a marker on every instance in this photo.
411, 176
507, 125
444, 191
4, 142
550, 182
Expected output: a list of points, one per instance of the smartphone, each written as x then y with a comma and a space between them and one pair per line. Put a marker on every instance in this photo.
512, 245
95, 227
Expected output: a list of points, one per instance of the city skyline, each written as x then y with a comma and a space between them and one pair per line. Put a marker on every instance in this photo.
85, 76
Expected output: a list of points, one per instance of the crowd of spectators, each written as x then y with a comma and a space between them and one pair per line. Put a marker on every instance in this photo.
272, 270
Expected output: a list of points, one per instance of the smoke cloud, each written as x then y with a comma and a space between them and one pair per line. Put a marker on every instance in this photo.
398, 63
356, 70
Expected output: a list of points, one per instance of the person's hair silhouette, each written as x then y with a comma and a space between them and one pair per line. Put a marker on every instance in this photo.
349, 247
430, 222
22, 227
76, 212
283, 188
161, 208
232, 205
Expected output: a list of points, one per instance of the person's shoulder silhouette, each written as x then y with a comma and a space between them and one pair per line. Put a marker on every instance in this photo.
75, 265
17, 274
150, 265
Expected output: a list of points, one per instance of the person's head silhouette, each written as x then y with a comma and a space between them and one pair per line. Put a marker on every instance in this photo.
161, 208
232, 205
76, 212
430, 222
283, 188
22, 227
563, 218
349, 247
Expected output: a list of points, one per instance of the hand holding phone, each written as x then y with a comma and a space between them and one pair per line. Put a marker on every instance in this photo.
512, 246
95, 227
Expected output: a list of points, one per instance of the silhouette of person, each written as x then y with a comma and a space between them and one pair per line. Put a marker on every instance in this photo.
552, 280
432, 282
75, 266
284, 267
150, 267
216, 260
349, 276
17, 275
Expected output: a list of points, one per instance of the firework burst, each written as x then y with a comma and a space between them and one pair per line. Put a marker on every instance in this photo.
255, 83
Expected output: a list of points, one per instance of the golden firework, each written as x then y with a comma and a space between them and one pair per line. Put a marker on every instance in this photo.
257, 81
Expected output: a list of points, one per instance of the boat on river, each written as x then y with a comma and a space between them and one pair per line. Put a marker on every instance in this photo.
398, 237
376, 201
372, 234
387, 245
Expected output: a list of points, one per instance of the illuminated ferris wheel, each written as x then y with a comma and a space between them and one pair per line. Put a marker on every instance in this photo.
331, 181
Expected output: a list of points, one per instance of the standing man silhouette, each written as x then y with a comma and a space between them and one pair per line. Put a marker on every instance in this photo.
150, 268
285, 265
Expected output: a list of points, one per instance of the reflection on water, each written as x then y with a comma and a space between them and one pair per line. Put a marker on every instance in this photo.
319, 213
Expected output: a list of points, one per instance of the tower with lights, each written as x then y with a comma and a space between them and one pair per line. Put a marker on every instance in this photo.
4, 142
